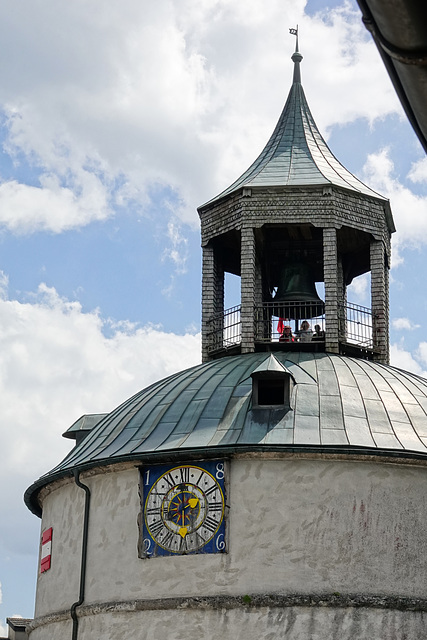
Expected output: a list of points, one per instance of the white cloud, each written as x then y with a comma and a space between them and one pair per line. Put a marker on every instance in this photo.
177, 251
422, 353
359, 288
404, 324
342, 89
4, 284
418, 172
127, 98
3, 629
403, 359
409, 209
25, 208
55, 365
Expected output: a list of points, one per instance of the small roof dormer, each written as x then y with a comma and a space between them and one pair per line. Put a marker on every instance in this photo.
271, 384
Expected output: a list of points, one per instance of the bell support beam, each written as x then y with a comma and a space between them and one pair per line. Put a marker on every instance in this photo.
379, 301
330, 275
248, 274
212, 295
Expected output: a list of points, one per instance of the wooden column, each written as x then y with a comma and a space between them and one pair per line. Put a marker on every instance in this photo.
247, 289
330, 276
379, 301
342, 301
212, 302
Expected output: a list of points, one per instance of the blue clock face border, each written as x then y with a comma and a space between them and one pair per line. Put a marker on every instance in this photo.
183, 509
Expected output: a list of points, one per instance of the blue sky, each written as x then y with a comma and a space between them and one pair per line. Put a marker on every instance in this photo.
116, 123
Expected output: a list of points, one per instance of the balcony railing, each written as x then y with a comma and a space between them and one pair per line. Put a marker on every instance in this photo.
270, 317
224, 330
355, 325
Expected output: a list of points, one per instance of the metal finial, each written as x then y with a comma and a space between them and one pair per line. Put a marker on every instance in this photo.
294, 32
296, 57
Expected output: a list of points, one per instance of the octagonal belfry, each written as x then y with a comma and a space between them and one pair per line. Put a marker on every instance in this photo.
296, 217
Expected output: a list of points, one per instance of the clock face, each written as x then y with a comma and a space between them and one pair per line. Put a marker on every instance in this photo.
183, 509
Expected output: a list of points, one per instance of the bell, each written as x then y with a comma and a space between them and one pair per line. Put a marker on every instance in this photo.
297, 293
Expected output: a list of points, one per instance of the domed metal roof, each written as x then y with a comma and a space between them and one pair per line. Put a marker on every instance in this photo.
337, 404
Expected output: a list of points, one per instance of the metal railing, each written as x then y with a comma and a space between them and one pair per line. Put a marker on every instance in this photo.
355, 325
224, 330
270, 319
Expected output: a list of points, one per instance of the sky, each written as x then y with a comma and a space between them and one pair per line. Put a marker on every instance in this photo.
116, 121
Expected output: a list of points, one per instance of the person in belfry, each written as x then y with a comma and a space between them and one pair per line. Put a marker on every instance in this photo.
305, 334
319, 334
287, 335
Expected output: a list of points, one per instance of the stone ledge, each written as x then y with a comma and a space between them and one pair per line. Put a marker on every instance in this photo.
250, 601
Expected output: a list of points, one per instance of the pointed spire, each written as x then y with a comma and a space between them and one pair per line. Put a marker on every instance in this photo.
296, 58
296, 153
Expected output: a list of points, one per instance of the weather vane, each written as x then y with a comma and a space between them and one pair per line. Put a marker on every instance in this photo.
294, 32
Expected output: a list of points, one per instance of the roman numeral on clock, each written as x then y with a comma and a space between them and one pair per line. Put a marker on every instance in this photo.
210, 524
167, 540
183, 545
168, 478
185, 474
155, 527
215, 506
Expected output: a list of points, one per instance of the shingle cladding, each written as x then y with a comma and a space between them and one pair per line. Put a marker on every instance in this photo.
295, 205
336, 401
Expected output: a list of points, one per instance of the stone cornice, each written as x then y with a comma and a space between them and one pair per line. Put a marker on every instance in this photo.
248, 601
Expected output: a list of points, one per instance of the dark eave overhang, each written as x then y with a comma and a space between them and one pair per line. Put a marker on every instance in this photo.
399, 29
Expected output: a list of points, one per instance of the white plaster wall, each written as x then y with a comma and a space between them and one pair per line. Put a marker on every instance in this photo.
294, 623
58, 587
295, 526
57, 631
327, 526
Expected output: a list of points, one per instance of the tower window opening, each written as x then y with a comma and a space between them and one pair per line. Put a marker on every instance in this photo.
232, 287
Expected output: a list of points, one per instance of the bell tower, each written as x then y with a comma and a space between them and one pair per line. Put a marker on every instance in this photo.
295, 218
